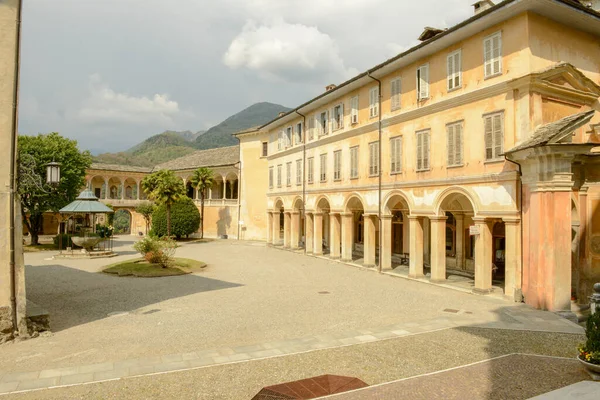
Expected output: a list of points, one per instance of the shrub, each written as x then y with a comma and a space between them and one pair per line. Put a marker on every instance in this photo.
157, 251
104, 231
66, 240
185, 219
590, 350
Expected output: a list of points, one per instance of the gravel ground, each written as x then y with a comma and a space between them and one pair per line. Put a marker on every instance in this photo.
374, 363
248, 294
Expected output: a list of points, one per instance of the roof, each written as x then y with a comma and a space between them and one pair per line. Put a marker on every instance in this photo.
554, 132
86, 203
220, 156
118, 167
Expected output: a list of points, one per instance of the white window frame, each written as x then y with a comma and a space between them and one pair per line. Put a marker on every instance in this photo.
454, 70
422, 76
489, 59
279, 167
374, 162
374, 102
396, 155
354, 154
423, 150
454, 144
271, 178
264, 149
289, 132
323, 167
310, 175
337, 165
395, 94
298, 172
288, 174
298, 131
323, 130
494, 138
337, 123
354, 110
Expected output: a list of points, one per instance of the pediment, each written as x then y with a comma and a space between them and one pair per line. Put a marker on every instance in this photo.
566, 76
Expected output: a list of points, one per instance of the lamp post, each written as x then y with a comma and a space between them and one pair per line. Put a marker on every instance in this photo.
53, 173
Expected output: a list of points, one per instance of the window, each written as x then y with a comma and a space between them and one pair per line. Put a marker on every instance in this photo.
337, 165
373, 158
311, 127
323, 123
354, 110
494, 135
311, 170
288, 174
396, 155
265, 149
288, 137
298, 172
454, 70
323, 167
279, 175
374, 102
423, 82
270, 177
354, 162
492, 54
455, 143
423, 150
338, 117
395, 96
298, 133
280, 140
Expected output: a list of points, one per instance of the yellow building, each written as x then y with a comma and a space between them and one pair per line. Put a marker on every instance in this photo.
466, 154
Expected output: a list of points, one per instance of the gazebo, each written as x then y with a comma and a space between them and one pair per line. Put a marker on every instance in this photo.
85, 208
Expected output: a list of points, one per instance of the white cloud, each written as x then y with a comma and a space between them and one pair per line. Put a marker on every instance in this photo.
288, 52
104, 105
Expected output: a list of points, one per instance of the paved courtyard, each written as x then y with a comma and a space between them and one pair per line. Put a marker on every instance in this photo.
252, 302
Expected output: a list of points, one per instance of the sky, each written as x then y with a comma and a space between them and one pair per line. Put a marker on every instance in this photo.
111, 73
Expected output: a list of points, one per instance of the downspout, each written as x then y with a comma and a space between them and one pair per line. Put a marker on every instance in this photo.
239, 190
379, 171
303, 173
521, 216
13, 175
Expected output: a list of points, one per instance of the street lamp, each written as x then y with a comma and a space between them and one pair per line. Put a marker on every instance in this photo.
53, 173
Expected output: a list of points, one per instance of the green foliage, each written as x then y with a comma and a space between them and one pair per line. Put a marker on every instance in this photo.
121, 222
63, 239
202, 179
590, 350
104, 231
185, 219
110, 217
165, 188
145, 210
37, 197
157, 251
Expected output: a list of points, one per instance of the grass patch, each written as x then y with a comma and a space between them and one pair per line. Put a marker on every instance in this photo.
141, 268
40, 247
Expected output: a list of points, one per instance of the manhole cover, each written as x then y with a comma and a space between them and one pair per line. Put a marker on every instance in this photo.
324, 292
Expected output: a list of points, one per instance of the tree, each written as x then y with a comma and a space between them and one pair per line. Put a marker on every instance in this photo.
146, 210
202, 180
36, 196
164, 188
185, 218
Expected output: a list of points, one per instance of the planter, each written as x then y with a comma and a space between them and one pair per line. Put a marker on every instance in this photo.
592, 369
87, 243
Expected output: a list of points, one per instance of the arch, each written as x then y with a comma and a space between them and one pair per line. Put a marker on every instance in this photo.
354, 200
122, 221
393, 199
457, 197
297, 204
322, 203
231, 176
97, 186
278, 204
131, 190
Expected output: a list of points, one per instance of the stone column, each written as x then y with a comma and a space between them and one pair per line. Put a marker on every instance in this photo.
483, 257
405, 234
295, 227
334, 235
106, 189
318, 234
369, 239
438, 248
224, 189
287, 230
512, 259
460, 240
426, 241
347, 235
122, 190
415, 269
276, 227
269, 227
386, 242
310, 226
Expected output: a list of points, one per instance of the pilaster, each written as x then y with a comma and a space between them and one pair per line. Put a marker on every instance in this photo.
438, 248
416, 247
347, 235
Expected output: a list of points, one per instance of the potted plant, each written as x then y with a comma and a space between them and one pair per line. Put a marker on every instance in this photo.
589, 352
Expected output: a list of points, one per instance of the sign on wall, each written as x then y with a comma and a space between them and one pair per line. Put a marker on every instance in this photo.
473, 230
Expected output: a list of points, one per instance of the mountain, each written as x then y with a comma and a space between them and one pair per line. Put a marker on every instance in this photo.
220, 135
169, 145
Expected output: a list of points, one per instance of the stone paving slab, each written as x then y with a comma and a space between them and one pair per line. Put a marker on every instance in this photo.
586, 390
520, 318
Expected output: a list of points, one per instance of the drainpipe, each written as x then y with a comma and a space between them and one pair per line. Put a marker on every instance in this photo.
379, 172
521, 214
303, 172
239, 190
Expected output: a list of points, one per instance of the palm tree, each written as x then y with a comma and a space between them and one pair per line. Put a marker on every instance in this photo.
202, 180
164, 188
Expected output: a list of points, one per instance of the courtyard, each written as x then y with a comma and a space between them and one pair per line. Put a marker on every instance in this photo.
262, 305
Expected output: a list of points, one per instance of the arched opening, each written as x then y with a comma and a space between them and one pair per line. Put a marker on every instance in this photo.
397, 207
298, 224
321, 229
190, 190
355, 210
114, 188
98, 187
231, 186
216, 190
131, 189
122, 221
279, 221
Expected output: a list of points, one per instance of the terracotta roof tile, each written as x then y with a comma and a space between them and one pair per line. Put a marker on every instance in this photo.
203, 158
120, 168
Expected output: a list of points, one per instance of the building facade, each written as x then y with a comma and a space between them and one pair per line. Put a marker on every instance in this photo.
470, 153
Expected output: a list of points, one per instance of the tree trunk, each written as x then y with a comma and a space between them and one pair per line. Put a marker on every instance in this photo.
202, 215
35, 220
168, 220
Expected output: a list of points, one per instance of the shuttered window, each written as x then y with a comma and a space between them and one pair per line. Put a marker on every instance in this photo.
395, 96
270, 177
311, 170
454, 70
374, 102
288, 137
265, 149
337, 165
396, 155
324, 123
354, 162
338, 117
423, 82
423, 150
354, 110
298, 133
298, 172
373, 158
280, 140
454, 141
323, 167
492, 54
288, 174
494, 135
279, 176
